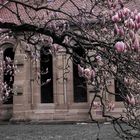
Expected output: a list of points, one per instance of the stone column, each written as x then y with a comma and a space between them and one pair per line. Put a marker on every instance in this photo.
22, 86
69, 83
35, 84
60, 80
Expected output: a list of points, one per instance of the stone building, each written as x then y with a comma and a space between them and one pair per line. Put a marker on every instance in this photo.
62, 99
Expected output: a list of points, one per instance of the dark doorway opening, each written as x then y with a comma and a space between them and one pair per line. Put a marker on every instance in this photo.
120, 91
46, 64
79, 83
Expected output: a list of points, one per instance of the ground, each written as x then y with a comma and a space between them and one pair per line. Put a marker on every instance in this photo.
81, 131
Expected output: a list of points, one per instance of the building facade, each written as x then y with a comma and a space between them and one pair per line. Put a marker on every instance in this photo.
66, 97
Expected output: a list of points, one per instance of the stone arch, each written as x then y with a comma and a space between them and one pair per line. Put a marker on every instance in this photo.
8, 50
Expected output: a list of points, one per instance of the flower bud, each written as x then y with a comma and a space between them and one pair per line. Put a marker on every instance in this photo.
136, 44
136, 26
121, 32
131, 99
128, 98
120, 46
120, 14
131, 34
136, 18
116, 18
126, 11
98, 58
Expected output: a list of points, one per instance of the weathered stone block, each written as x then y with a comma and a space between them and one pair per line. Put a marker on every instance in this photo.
19, 59
18, 90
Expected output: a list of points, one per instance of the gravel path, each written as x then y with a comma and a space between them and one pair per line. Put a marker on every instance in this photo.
56, 132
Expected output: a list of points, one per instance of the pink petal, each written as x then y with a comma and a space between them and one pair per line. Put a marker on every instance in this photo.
120, 46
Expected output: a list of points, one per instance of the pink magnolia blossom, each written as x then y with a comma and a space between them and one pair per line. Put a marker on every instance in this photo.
120, 14
138, 18
98, 57
131, 24
131, 99
126, 11
120, 46
87, 73
116, 18
121, 32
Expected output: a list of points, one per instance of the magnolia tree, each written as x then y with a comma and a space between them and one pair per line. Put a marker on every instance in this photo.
107, 33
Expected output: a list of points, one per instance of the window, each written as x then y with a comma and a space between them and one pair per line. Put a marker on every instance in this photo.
120, 91
46, 65
8, 77
79, 83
